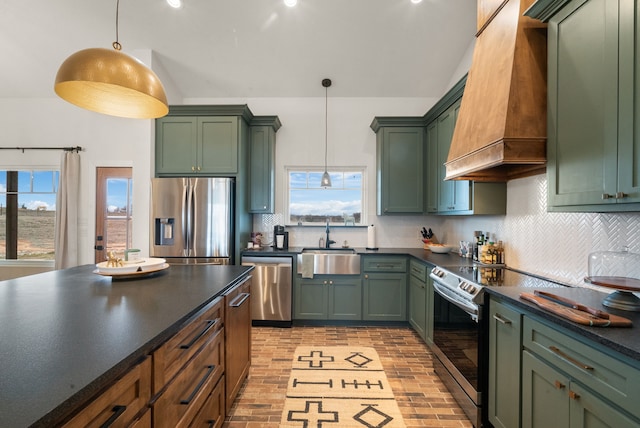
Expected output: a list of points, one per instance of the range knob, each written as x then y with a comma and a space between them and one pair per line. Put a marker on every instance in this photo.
437, 272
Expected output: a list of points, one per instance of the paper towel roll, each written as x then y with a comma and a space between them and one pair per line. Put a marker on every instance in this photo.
371, 238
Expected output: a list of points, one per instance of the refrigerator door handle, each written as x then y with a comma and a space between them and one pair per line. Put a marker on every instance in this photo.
186, 213
191, 224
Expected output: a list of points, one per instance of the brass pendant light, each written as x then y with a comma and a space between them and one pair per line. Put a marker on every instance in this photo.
111, 82
326, 178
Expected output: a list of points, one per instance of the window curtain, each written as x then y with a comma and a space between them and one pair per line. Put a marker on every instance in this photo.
67, 201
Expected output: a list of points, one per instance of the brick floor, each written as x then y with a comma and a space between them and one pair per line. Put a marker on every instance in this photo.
423, 399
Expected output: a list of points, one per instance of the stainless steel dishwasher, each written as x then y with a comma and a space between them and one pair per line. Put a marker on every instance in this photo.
271, 290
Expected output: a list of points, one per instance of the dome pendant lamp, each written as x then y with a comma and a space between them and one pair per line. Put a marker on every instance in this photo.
326, 178
111, 82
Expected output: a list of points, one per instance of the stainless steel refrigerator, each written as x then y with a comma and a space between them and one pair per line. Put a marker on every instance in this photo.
192, 220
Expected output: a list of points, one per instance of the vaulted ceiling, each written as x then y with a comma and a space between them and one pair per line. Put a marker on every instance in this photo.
247, 48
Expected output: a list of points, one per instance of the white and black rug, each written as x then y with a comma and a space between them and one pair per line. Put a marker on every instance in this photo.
339, 386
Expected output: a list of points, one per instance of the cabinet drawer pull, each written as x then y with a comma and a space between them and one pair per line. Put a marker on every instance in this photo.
607, 196
621, 195
210, 323
501, 320
572, 360
117, 411
187, 401
558, 384
385, 265
238, 301
574, 395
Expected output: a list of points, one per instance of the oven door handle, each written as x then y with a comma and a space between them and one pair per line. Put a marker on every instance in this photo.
453, 299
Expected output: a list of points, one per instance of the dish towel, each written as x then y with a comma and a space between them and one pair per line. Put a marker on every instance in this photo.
307, 265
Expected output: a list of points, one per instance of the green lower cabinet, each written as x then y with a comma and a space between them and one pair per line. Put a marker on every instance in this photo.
544, 391
328, 297
345, 299
311, 299
505, 344
554, 400
418, 306
430, 311
384, 297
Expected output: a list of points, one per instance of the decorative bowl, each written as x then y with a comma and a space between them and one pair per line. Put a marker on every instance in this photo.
440, 248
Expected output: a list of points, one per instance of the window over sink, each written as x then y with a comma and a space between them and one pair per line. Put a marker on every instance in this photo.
309, 204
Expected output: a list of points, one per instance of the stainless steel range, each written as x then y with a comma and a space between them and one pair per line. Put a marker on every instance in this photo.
460, 329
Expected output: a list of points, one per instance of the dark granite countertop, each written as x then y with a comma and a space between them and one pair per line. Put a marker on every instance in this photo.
448, 259
625, 341
65, 335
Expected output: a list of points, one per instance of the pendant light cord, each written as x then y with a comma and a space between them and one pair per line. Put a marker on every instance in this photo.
116, 45
326, 120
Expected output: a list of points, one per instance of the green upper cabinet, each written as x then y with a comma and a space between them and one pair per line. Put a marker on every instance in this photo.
400, 165
196, 140
454, 197
262, 164
433, 173
593, 146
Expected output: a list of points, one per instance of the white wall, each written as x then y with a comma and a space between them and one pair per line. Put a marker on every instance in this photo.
106, 140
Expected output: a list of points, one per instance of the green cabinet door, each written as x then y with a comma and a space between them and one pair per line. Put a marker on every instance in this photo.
218, 148
505, 344
197, 145
328, 297
384, 297
418, 306
583, 103
587, 410
551, 399
345, 298
593, 146
262, 170
433, 170
400, 170
311, 298
544, 394
453, 195
430, 312
176, 145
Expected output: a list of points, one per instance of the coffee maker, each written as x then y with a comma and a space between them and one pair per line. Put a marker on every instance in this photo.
280, 238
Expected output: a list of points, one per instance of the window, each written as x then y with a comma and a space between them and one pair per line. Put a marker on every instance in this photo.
27, 214
309, 204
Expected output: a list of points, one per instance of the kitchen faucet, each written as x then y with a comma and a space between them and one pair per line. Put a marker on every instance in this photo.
328, 241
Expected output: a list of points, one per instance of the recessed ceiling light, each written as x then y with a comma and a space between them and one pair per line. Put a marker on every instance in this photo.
290, 3
176, 4
416, 1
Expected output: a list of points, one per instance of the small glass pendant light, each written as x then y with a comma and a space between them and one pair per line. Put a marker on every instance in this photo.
326, 178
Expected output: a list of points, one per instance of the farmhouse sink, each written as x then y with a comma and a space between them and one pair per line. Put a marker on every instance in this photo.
329, 261
320, 250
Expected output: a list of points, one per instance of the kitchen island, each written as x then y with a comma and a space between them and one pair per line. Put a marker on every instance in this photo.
66, 335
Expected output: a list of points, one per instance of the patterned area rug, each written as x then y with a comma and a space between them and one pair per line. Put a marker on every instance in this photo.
339, 386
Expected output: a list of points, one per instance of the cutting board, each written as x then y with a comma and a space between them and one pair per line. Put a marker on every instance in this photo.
575, 315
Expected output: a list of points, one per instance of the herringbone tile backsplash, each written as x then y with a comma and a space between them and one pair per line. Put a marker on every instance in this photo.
555, 245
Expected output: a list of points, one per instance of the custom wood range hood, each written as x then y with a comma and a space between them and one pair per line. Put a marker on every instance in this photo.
500, 132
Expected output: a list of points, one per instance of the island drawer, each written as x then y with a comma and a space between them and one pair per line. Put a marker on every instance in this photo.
212, 413
384, 264
119, 405
612, 378
169, 359
186, 393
